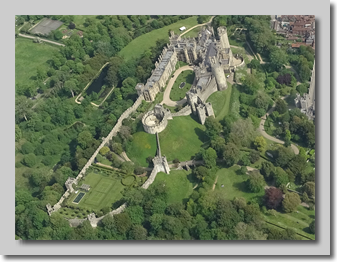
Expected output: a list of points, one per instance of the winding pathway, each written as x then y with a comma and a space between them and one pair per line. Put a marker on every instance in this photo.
198, 26
274, 139
166, 98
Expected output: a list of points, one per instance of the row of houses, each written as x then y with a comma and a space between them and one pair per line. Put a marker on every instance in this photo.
298, 28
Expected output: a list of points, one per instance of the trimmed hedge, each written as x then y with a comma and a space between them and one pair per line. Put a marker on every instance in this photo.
128, 180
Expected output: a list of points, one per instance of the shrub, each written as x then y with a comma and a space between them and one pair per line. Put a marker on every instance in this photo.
309, 188
128, 180
104, 150
99, 158
290, 202
27, 148
18, 164
256, 182
47, 160
312, 227
30, 160
273, 197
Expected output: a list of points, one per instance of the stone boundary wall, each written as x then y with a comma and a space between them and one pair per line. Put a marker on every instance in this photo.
185, 111
151, 178
106, 140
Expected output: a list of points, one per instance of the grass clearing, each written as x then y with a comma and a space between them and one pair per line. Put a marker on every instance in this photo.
179, 183
28, 57
298, 221
220, 102
193, 33
182, 138
142, 146
177, 93
234, 184
144, 42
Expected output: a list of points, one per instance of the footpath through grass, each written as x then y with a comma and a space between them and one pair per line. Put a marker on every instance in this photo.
220, 101
182, 138
28, 57
179, 184
177, 93
144, 42
142, 146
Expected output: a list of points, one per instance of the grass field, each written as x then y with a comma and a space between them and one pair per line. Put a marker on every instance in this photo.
177, 93
104, 191
182, 138
234, 184
79, 20
179, 183
142, 146
298, 221
193, 33
220, 102
28, 57
144, 42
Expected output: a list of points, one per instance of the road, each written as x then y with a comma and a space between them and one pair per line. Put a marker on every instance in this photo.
198, 26
274, 139
166, 98
44, 40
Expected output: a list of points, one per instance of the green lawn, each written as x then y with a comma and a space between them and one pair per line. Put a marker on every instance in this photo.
104, 191
298, 221
80, 19
144, 42
182, 138
220, 102
177, 93
142, 146
193, 33
234, 184
179, 184
28, 57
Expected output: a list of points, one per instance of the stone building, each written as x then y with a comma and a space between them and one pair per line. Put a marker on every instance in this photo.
210, 56
155, 121
164, 68
198, 106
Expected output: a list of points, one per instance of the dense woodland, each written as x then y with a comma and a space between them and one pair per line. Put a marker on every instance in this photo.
57, 134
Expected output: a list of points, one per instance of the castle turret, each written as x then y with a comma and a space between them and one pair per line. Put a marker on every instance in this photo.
201, 113
222, 33
219, 74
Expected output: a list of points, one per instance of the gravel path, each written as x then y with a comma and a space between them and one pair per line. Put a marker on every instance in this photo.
166, 98
125, 156
198, 26
44, 40
261, 129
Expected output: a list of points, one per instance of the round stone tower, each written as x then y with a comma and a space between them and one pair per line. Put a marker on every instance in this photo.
218, 73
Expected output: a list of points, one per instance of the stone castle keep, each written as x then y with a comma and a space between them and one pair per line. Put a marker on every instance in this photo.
211, 57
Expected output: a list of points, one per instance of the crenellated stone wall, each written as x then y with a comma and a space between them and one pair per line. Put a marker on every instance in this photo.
106, 140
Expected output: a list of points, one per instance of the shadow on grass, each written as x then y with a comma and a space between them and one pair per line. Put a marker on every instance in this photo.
242, 186
307, 230
201, 134
192, 179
